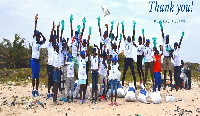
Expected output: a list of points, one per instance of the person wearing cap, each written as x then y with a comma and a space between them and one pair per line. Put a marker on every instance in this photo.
103, 75
128, 62
56, 65
113, 78
50, 62
105, 41
177, 68
35, 59
70, 77
148, 55
140, 49
167, 50
82, 76
94, 67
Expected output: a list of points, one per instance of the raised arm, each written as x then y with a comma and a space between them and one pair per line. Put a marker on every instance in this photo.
71, 30
106, 29
143, 39
88, 54
119, 44
117, 32
36, 17
123, 35
180, 42
162, 33
58, 33
100, 30
133, 35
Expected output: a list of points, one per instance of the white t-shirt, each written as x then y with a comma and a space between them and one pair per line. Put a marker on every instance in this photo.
94, 62
82, 68
165, 52
103, 69
50, 54
113, 72
63, 55
74, 47
176, 57
140, 49
85, 50
107, 42
35, 49
148, 54
70, 69
115, 53
128, 49
56, 57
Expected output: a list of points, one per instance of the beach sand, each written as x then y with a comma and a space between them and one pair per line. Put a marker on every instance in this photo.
187, 101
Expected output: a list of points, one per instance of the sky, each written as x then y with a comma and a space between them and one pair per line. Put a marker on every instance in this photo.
17, 17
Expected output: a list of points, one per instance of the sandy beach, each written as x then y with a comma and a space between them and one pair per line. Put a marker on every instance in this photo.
16, 100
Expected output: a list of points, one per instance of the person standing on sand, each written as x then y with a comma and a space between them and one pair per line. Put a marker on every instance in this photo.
35, 60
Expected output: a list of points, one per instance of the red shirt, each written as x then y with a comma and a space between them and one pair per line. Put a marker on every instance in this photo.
157, 63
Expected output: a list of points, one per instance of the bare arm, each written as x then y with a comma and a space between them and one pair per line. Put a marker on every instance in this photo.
119, 44
100, 30
117, 32
58, 34
162, 33
180, 43
133, 35
143, 39
71, 31
123, 35
107, 28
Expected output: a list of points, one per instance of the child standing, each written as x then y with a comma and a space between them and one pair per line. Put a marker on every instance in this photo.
70, 77
113, 78
82, 76
157, 70
94, 68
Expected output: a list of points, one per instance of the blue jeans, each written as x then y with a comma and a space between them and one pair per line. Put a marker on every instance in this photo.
35, 66
56, 74
114, 86
157, 77
94, 79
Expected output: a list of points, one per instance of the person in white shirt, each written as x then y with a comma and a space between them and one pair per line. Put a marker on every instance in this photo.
35, 60
105, 41
94, 67
113, 78
177, 68
128, 62
56, 65
148, 55
82, 76
75, 40
70, 77
103, 75
167, 52
50, 62
140, 49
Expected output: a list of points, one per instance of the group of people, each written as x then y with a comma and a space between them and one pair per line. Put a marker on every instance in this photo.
64, 66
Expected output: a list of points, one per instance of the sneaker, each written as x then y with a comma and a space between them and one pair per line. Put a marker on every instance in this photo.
102, 97
36, 92
111, 104
48, 95
95, 101
84, 100
80, 101
33, 93
52, 94
116, 103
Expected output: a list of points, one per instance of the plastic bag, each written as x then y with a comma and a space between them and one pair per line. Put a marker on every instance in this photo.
143, 96
120, 92
130, 93
170, 98
155, 97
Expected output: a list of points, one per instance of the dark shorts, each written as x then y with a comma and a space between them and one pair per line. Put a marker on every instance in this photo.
94, 79
50, 75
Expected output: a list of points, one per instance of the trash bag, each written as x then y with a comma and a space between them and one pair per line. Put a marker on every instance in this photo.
120, 92
130, 93
155, 97
143, 96
76, 90
170, 98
